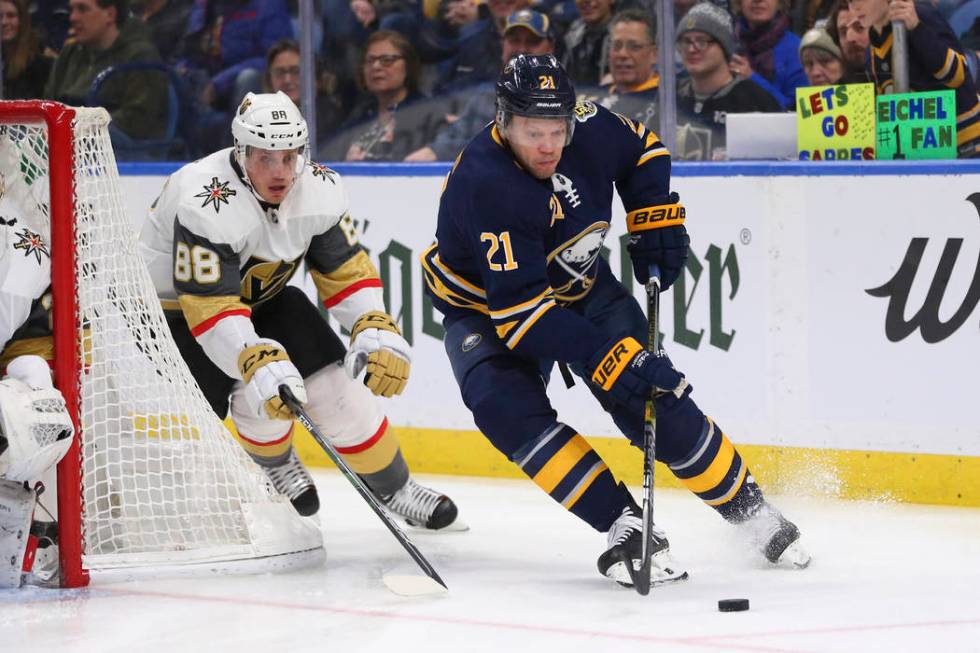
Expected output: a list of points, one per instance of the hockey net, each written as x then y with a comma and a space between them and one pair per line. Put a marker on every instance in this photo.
154, 479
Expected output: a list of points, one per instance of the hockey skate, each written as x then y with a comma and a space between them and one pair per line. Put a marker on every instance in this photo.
292, 480
424, 508
777, 538
625, 541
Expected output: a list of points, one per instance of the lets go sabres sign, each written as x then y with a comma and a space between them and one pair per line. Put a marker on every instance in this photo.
835, 123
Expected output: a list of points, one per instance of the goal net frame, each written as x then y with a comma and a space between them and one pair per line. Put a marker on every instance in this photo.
268, 535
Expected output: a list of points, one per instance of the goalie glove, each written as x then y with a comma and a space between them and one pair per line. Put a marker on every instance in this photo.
264, 366
377, 345
35, 428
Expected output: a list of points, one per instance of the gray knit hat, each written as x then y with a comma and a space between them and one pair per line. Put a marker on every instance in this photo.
714, 21
820, 38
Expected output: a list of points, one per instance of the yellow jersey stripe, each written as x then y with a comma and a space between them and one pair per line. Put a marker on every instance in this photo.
529, 322
558, 466
733, 490
580, 489
523, 306
716, 471
652, 155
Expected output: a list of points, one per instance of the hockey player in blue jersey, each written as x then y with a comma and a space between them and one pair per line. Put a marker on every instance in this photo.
517, 274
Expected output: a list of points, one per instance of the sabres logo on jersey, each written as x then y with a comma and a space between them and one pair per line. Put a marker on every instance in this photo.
323, 172
215, 193
585, 110
571, 267
31, 243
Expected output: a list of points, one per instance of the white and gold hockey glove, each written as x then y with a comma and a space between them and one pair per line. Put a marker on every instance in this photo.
265, 366
377, 345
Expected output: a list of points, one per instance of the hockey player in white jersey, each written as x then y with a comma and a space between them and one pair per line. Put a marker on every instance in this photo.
222, 241
35, 427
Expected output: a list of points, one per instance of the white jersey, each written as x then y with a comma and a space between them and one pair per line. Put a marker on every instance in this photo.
25, 269
214, 251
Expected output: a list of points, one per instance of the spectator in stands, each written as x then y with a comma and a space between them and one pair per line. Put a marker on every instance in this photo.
282, 73
710, 92
393, 118
586, 56
771, 52
525, 32
478, 53
438, 38
106, 36
635, 83
50, 18
805, 14
852, 39
936, 60
25, 64
228, 40
167, 22
821, 58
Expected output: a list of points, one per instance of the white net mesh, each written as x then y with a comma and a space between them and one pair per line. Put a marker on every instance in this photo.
162, 479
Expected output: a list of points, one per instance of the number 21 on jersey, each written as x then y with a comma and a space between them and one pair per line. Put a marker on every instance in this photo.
496, 244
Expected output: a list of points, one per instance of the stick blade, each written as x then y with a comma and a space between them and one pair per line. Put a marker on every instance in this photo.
413, 585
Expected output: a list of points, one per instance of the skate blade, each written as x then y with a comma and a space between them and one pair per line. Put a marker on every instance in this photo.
458, 526
795, 557
409, 585
667, 576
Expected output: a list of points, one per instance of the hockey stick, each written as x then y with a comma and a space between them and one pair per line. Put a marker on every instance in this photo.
642, 580
405, 585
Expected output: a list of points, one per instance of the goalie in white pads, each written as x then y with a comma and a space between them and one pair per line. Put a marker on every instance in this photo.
35, 427
222, 241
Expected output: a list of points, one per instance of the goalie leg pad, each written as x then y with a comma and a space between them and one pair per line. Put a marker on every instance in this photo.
16, 509
345, 410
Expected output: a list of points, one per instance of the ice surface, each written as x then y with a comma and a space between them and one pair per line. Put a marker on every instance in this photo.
885, 577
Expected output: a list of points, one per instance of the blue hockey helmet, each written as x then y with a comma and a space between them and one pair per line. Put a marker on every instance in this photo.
535, 86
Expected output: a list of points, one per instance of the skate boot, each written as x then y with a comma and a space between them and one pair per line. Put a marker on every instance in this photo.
422, 507
776, 537
292, 480
625, 541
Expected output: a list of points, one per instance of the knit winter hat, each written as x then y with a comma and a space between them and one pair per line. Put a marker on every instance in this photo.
819, 38
714, 21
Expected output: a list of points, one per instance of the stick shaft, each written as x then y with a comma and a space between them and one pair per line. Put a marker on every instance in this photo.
358, 484
649, 430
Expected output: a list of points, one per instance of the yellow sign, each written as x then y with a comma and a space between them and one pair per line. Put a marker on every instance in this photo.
835, 123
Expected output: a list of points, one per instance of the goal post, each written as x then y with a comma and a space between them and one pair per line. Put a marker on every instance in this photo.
153, 481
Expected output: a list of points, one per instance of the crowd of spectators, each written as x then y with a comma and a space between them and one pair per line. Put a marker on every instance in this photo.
413, 79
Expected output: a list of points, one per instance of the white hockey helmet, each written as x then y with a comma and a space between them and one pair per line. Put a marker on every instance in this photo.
270, 121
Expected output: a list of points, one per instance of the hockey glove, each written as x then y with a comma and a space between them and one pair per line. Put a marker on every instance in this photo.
658, 236
35, 428
377, 345
626, 371
265, 366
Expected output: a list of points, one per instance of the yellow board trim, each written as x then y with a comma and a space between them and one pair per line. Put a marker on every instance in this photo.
558, 466
841, 474
715, 473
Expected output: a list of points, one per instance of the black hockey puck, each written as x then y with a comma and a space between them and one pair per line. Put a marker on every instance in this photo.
733, 605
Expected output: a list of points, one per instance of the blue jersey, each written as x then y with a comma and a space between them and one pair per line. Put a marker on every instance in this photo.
525, 251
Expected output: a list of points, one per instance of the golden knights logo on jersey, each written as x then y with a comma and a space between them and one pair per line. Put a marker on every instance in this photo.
215, 193
263, 279
31, 243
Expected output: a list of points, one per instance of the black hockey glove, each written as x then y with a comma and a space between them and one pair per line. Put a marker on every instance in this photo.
658, 236
626, 371
667, 248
